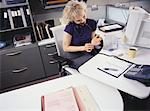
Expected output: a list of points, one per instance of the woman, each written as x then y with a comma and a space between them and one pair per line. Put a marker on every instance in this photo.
79, 35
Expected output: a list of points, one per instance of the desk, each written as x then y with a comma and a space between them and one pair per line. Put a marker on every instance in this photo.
29, 98
129, 86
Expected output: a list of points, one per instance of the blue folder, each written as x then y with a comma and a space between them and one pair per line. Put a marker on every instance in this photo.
140, 73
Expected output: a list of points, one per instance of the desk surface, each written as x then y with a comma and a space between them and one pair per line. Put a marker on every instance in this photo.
29, 98
142, 55
129, 86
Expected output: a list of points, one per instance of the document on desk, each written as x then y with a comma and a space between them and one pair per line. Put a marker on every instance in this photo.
76, 98
113, 65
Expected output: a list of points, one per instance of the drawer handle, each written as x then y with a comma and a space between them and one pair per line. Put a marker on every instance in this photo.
20, 70
14, 53
52, 54
52, 62
51, 45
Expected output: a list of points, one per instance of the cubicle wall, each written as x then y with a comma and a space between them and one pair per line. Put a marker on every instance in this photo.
41, 14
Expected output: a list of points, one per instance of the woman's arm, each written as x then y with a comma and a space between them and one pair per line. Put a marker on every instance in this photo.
68, 48
66, 44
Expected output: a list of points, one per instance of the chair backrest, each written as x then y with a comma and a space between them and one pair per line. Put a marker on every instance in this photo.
58, 32
58, 36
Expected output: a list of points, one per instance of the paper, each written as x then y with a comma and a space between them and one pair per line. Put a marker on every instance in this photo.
63, 100
113, 65
110, 27
70, 99
85, 100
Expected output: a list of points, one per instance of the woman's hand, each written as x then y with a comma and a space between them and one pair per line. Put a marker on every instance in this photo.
96, 40
88, 47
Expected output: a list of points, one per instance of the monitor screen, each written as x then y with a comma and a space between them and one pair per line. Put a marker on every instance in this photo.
117, 14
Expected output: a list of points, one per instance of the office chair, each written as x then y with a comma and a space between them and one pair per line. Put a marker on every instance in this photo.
58, 36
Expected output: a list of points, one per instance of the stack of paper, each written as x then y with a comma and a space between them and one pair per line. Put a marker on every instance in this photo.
70, 99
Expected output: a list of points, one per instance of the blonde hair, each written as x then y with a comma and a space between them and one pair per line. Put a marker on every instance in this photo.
72, 9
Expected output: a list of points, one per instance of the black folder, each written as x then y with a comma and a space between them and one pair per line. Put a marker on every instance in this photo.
4, 20
114, 65
27, 15
17, 19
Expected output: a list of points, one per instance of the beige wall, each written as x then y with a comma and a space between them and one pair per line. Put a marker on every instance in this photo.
98, 2
118, 1
101, 12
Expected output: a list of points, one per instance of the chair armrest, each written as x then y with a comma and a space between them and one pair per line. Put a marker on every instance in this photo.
72, 71
62, 61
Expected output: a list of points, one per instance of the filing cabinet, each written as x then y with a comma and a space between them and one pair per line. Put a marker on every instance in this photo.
21, 59
51, 66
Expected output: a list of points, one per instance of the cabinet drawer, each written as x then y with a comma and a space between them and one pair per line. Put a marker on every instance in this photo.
48, 49
48, 53
51, 68
19, 76
10, 79
13, 60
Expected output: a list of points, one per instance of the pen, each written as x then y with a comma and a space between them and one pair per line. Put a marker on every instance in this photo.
112, 69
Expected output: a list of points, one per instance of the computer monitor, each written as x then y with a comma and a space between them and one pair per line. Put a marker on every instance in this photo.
138, 28
116, 14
